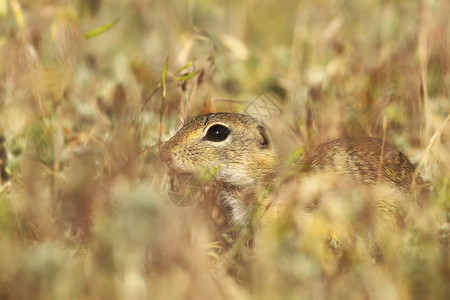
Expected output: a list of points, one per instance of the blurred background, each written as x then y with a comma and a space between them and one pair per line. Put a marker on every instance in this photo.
89, 89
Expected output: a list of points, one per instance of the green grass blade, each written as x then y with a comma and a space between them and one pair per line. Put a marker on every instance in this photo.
186, 76
100, 30
164, 77
186, 66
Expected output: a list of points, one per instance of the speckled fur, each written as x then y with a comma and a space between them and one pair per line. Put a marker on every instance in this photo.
246, 165
238, 174
361, 159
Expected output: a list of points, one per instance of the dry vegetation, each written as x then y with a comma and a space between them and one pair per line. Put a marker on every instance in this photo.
85, 101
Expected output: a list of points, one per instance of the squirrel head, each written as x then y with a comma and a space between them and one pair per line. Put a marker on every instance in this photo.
236, 149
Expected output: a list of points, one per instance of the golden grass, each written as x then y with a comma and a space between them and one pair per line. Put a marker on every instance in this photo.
84, 104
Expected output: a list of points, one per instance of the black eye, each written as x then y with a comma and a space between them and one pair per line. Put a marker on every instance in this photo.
217, 133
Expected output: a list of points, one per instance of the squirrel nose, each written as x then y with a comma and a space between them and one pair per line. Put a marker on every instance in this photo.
164, 154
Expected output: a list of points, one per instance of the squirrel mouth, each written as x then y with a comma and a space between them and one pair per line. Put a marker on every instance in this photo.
184, 189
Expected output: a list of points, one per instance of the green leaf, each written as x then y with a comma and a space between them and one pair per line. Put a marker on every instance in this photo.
186, 76
187, 65
164, 77
100, 30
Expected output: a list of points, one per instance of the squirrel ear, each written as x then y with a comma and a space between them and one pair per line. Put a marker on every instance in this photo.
263, 137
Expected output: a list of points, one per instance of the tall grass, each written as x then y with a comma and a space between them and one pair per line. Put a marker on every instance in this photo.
84, 105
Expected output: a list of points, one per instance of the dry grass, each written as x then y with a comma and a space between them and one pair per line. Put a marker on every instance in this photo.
84, 211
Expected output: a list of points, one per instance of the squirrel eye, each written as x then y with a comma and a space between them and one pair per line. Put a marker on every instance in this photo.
217, 133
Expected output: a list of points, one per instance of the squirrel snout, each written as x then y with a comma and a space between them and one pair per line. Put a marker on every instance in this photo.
165, 155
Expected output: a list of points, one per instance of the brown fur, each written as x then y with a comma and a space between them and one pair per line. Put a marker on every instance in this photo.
236, 175
246, 163
369, 161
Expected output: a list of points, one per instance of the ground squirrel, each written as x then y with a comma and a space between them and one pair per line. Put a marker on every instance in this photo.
237, 151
